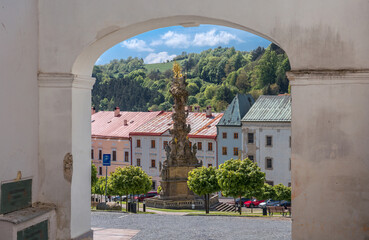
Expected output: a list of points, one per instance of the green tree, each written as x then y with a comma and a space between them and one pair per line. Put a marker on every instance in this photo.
239, 178
192, 88
100, 186
266, 68
266, 192
93, 177
119, 180
282, 192
130, 180
203, 181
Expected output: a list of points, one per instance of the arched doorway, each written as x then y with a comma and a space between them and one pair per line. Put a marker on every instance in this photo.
324, 135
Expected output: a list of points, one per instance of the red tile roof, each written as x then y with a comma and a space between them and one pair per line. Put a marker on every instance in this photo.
201, 126
105, 125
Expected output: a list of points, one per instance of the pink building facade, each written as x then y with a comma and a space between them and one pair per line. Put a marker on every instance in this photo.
110, 135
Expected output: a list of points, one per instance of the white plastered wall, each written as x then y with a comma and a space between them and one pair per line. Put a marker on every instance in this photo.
316, 35
19, 91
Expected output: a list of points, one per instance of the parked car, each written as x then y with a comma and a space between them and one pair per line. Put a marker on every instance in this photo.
243, 200
141, 197
253, 203
285, 204
118, 198
269, 203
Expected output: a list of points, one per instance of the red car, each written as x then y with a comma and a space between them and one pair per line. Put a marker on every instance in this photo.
253, 203
141, 197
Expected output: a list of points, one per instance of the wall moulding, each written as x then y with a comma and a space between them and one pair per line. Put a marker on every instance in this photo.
65, 80
328, 77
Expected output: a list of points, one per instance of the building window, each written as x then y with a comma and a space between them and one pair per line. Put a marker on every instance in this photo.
271, 183
138, 160
250, 138
100, 154
165, 144
224, 135
153, 163
269, 141
235, 135
138, 143
289, 184
92, 153
290, 141
251, 157
269, 163
210, 146
154, 185
152, 143
235, 151
100, 170
210, 165
114, 155
199, 145
224, 150
126, 156
290, 165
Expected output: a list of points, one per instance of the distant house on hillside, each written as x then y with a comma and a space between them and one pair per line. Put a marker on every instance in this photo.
110, 135
150, 139
266, 130
229, 128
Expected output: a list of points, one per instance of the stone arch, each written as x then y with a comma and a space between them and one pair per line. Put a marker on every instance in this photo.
113, 35
323, 41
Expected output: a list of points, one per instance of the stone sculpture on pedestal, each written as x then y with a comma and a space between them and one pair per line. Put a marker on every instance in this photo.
181, 156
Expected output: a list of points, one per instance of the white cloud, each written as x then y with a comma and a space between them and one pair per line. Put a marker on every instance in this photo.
156, 43
158, 57
181, 40
137, 44
172, 39
212, 38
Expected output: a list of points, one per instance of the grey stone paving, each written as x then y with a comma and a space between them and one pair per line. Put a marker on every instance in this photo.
155, 226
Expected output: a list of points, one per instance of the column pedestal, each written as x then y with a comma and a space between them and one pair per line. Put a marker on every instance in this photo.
330, 154
64, 147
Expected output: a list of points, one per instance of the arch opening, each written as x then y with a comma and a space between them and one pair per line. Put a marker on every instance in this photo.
134, 161
111, 36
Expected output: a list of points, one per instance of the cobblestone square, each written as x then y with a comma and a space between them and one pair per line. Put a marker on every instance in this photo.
177, 227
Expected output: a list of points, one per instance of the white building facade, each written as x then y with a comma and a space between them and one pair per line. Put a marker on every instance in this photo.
266, 137
229, 128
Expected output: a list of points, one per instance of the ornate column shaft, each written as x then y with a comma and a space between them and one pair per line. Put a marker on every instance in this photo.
64, 147
330, 149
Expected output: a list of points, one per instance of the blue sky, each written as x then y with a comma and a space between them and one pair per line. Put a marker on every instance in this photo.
165, 43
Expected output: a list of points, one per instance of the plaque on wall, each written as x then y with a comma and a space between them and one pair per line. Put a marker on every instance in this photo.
16, 195
36, 232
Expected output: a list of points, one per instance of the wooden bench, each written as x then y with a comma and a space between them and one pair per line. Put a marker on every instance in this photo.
279, 209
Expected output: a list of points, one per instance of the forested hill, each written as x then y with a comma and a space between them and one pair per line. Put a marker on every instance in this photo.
214, 77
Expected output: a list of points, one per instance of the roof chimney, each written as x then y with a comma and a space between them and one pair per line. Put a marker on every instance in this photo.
117, 112
125, 122
197, 108
93, 110
208, 111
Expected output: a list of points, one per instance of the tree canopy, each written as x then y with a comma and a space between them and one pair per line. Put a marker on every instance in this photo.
130, 180
93, 177
282, 192
214, 77
203, 180
238, 178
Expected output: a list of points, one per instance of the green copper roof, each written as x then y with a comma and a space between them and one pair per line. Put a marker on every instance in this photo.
270, 109
239, 106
